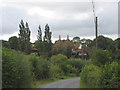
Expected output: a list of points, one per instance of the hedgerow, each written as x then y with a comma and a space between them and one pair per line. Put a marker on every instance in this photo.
16, 69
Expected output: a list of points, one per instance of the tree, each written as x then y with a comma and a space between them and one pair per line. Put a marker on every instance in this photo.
63, 47
47, 44
39, 43
103, 42
86, 42
117, 42
68, 51
48, 34
76, 39
13, 42
24, 37
39, 46
101, 57
39, 36
5, 44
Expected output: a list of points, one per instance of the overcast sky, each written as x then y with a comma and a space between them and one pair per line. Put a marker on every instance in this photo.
71, 18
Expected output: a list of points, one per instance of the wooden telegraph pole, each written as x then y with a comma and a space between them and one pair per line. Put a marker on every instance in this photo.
96, 25
96, 28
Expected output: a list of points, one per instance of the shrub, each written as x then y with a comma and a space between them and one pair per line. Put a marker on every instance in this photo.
33, 60
78, 63
60, 60
55, 71
16, 70
71, 69
101, 57
40, 67
110, 78
91, 76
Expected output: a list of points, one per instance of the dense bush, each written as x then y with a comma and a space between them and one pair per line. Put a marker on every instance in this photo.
55, 71
78, 63
13, 42
16, 70
60, 60
91, 76
101, 57
69, 66
72, 70
40, 67
103, 77
110, 78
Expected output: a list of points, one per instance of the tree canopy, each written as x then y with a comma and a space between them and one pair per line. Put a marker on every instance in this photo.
24, 37
39, 36
13, 43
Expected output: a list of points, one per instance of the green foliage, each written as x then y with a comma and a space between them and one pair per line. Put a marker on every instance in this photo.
44, 47
79, 63
63, 49
71, 69
47, 43
76, 39
91, 76
48, 34
117, 43
13, 42
112, 48
86, 42
5, 44
39, 46
103, 42
39, 43
16, 70
58, 50
67, 51
24, 37
47, 49
101, 57
60, 60
55, 71
39, 37
40, 67
110, 78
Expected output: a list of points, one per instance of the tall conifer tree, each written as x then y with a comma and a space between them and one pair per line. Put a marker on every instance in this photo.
47, 45
39, 36
48, 34
24, 37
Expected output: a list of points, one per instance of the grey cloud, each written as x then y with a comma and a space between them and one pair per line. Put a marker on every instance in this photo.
107, 18
10, 19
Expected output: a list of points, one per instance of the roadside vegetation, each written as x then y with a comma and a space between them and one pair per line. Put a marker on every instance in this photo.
23, 71
103, 73
24, 68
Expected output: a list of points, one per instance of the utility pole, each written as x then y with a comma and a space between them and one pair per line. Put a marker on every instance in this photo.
59, 37
96, 25
96, 28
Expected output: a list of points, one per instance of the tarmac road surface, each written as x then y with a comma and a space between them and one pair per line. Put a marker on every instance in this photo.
69, 83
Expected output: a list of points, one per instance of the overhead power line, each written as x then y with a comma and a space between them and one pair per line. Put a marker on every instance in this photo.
95, 21
93, 10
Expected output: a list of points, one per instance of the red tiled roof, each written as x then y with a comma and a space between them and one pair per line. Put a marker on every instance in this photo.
61, 43
34, 49
68, 42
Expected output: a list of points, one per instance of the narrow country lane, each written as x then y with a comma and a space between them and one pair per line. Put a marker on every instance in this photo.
69, 83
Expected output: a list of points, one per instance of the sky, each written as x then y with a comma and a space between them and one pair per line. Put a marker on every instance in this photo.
64, 17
